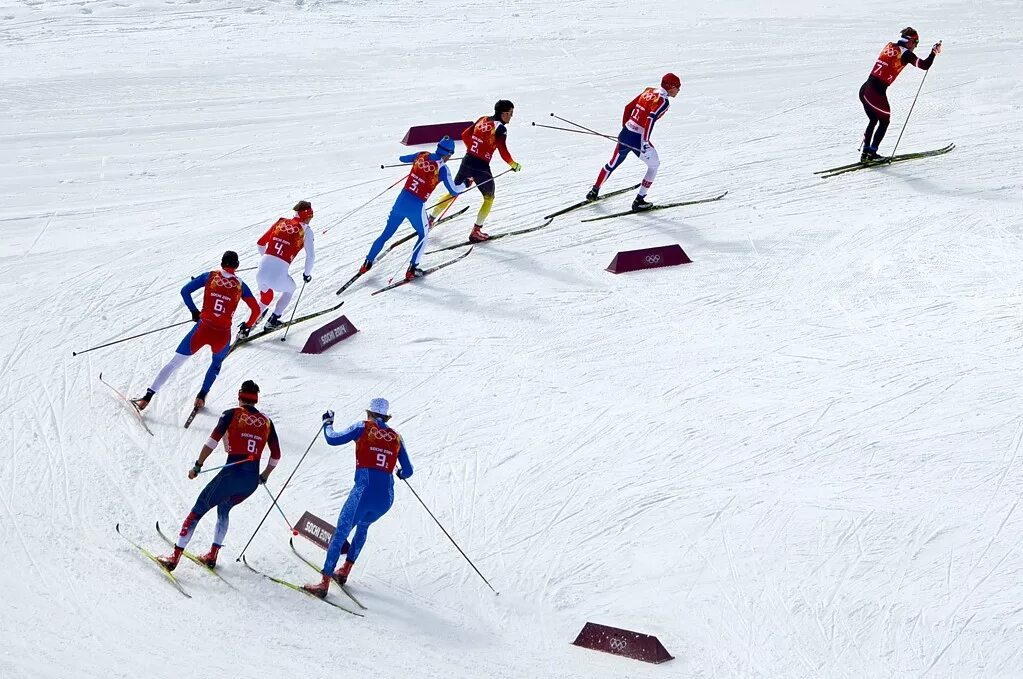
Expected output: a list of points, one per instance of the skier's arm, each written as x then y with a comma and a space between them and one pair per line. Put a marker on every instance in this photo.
654, 117
449, 182
406, 464
502, 145
408, 157
212, 443
908, 57
310, 254
628, 110
275, 451
264, 241
337, 438
467, 136
253, 305
190, 287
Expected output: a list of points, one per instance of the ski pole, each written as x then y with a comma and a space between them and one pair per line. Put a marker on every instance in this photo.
384, 167
449, 536
224, 466
352, 212
910, 111
125, 339
269, 509
469, 189
586, 130
293, 310
290, 525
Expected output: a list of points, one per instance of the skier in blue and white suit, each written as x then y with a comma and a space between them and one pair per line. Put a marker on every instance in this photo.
428, 170
377, 449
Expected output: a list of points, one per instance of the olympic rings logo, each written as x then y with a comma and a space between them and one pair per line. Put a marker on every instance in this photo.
890, 51
387, 435
426, 165
653, 259
618, 644
485, 126
252, 420
288, 228
224, 282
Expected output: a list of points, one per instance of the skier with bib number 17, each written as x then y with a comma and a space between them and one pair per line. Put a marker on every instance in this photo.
894, 57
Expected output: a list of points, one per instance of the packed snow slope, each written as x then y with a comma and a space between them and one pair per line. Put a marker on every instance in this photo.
797, 456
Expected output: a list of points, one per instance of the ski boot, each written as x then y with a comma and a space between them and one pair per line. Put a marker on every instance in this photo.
210, 558
341, 574
319, 590
641, 204
141, 403
171, 562
414, 272
593, 194
477, 235
430, 219
273, 322
366, 266
870, 155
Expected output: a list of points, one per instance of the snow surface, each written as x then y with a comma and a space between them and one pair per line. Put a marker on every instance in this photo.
796, 457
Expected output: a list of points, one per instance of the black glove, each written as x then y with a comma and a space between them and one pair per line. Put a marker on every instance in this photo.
328, 418
402, 474
195, 315
307, 277
194, 471
243, 330
264, 476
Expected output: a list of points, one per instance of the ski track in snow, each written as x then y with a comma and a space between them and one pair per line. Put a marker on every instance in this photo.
796, 457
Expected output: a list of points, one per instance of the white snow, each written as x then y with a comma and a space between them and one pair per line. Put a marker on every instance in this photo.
797, 456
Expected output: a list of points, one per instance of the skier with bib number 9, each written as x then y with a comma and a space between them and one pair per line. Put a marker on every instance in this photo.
377, 449
894, 57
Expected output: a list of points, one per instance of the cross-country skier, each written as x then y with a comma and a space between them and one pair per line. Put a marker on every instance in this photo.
428, 170
377, 449
279, 246
637, 125
873, 93
245, 432
488, 134
222, 291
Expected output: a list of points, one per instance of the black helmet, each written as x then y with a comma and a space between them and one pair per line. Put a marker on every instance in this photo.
229, 260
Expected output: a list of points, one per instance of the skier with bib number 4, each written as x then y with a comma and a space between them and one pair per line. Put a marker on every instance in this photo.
637, 125
428, 170
245, 432
377, 449
279, 246
894, 57
222, 291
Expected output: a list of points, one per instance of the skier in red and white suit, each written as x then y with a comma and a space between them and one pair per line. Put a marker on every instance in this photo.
279, 246
637, 125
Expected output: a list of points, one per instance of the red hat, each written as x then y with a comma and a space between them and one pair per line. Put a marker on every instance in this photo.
303, 210
670, 81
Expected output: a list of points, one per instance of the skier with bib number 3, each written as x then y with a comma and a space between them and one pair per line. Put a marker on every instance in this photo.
894, 57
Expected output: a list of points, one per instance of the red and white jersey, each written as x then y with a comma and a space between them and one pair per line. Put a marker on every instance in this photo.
285, 239
377, 448
246, 432
642, 112
889, 63
424, 176
220, 298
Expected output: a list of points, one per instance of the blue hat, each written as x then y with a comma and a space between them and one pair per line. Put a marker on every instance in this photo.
380, 406
446, 147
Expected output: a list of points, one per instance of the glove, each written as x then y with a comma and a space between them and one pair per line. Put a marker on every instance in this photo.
195, 315
307, 277
645, 147
937, 48
194, 471
328, 418
402, 474
515, 167
264, 476
243, 330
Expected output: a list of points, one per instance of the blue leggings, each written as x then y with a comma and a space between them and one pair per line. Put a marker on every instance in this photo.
365, 504
231, 486
409, 207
